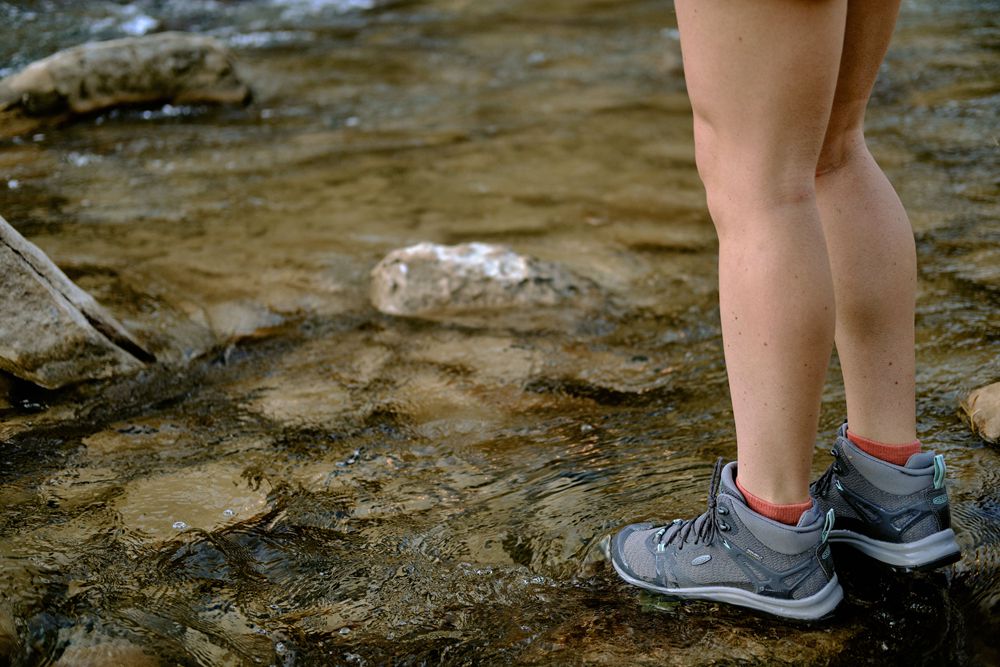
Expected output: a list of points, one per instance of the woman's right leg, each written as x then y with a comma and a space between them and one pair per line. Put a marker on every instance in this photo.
899, 516
870, 244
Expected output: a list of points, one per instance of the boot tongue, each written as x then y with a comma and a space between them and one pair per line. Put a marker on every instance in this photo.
727, 482
920, 460
810, 516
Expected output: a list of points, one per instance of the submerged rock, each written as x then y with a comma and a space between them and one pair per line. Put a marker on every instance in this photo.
53, 333
982, 408
173, 67
85, 650
201, 497
8, 634
439, 282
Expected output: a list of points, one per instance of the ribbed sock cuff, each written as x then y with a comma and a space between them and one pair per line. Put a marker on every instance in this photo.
895, 454
789, 514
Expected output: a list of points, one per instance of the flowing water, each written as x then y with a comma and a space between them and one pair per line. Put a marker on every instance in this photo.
302, 480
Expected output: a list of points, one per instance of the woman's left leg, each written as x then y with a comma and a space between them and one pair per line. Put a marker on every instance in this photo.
761, 75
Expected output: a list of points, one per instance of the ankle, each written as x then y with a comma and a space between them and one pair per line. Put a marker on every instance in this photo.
788, 513
897, 454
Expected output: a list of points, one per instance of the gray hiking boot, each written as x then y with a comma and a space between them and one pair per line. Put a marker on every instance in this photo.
896, 514
732, 554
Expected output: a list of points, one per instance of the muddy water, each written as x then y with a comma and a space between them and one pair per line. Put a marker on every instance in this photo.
304, 481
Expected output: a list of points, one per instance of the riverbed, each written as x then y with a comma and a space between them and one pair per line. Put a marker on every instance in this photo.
303, 480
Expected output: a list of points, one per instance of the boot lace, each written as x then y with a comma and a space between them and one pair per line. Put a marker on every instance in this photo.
702, 529
822, 485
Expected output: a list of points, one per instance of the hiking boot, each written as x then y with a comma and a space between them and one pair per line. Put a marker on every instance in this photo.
895, 514
732, 554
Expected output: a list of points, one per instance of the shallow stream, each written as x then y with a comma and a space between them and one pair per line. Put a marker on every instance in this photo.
302, 480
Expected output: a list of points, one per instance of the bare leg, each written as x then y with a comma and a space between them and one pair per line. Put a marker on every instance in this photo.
870, 243
761, 75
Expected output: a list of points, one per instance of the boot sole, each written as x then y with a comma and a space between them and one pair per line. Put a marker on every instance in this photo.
928, 553
816, 606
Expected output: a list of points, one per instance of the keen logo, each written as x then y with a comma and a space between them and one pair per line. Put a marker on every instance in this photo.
755, 555
704, 558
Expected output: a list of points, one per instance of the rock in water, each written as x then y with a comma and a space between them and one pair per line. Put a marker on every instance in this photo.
8, 634
53, 333
438, 281
982, 407
174, 67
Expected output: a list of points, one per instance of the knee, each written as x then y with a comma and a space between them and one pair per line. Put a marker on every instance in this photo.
840, 146
744, 182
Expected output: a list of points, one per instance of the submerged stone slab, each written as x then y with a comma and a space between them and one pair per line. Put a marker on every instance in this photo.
982, 408
175, 67
9, 641
435, 281
204, 497
113, 652
53, 333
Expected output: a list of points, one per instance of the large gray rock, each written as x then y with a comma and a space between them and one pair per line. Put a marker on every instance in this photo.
982, 408
53, 333
440, 282
174, 67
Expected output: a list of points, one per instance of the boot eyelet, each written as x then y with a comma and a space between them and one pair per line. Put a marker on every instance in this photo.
723, 526
723, 511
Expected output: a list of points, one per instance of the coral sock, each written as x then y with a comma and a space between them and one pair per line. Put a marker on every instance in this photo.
789, 514
897, 454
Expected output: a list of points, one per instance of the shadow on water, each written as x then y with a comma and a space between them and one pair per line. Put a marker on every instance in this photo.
322, 484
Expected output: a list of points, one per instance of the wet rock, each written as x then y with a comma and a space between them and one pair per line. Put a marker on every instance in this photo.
310, 402
6, 390
108, 651
8, 635
52, 332
594, 637
317, 384
435, 281
173, 67
982, 409
237, 320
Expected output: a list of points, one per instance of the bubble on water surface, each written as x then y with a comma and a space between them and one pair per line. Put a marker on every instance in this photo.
180, 525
